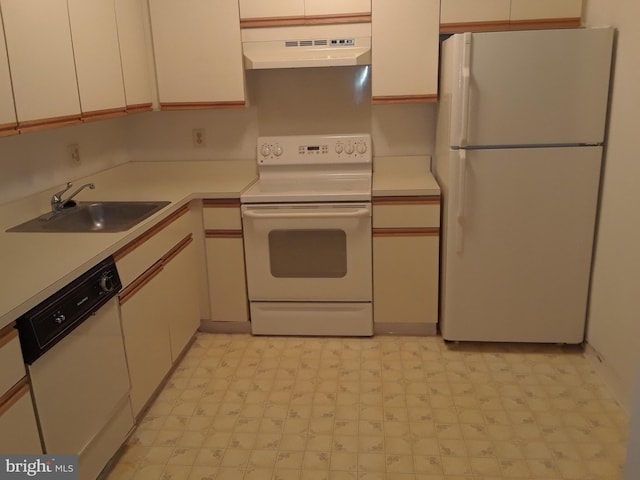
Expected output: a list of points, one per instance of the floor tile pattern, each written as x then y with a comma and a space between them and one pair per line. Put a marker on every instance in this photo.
382, 408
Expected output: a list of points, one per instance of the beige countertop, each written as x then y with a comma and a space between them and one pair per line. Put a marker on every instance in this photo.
36, 265
403, 176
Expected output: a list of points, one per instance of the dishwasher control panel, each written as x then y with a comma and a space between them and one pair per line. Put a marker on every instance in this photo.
49, 322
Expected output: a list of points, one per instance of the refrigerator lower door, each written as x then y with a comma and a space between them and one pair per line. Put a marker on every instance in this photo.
518, 232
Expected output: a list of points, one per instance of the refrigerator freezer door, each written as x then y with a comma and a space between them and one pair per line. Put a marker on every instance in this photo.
543, 87
518, 230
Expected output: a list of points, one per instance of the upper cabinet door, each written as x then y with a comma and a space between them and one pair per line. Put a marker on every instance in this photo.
42, 64
491, 15
404, 50
545, 9
97, 55
271, 8
198, 53
7, 107
336, 7
471, 11
134, 54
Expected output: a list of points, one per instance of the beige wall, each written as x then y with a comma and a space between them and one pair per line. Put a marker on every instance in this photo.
281, 102
614, 320
35, 161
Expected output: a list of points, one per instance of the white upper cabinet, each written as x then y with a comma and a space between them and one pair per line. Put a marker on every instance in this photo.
272, 8
478, 15
545, 9
7, 107
336, 7
301, 8
42, 64
198, 53
134, 55
97, 56
404, 51
467, 11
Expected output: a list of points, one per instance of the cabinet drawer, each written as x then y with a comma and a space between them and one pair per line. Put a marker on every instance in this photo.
406, 212
10, 358
222, 215
149, 247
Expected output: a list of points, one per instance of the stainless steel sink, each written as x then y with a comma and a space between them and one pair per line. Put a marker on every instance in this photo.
104, 217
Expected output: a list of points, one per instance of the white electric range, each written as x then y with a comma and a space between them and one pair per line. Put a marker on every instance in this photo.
307, 233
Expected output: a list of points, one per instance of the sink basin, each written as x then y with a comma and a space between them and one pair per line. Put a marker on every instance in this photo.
104, 217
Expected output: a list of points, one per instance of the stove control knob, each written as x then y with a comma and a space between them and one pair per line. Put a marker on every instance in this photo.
339, 148
349, 149
277, 150
59, 318
361, 148
106, 282
265, 150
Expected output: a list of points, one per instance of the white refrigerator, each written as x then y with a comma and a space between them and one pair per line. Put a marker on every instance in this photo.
521, 123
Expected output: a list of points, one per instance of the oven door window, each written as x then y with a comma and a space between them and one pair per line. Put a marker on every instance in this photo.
318, 253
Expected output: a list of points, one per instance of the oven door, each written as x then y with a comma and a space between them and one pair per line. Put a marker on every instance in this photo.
308, 252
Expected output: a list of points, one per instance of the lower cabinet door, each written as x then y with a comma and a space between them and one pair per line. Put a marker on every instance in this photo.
184, 310
18, 425
227, 284
145, 325
405, 279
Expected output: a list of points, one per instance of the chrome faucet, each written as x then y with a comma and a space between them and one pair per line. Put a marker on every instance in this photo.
57, 203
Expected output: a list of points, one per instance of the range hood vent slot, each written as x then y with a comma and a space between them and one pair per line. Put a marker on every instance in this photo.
338, 42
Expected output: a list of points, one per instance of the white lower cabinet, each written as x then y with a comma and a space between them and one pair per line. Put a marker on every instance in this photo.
159, 305
406, 264
225, 261
18, 423
17, 417
227, 283
145, 326
184, 311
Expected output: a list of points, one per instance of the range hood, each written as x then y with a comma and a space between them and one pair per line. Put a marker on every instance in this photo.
307, 46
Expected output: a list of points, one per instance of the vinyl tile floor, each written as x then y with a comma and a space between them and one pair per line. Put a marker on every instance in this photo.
387, 407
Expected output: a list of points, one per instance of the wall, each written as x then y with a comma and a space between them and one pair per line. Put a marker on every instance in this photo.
36, 161
614, 312
281, 102
286, 102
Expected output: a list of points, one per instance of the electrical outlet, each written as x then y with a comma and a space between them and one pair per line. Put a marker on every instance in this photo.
74, 153
199, 137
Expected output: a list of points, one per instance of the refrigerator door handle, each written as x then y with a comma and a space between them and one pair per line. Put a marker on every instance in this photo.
462, 174
465, 81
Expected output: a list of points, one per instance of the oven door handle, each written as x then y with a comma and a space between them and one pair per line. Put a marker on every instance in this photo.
360, 212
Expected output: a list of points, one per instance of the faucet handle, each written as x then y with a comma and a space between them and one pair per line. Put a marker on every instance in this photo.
69, 185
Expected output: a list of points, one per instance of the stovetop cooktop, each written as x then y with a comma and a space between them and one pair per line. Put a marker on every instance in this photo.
312, 168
